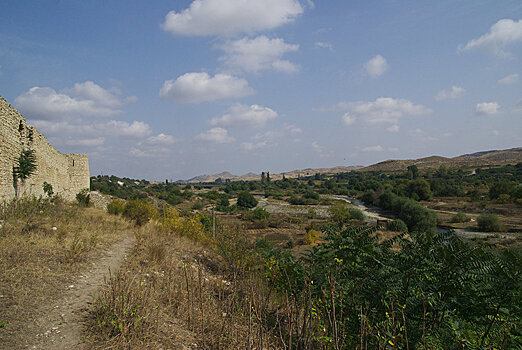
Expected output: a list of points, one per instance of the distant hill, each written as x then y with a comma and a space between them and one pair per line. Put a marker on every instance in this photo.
484, 158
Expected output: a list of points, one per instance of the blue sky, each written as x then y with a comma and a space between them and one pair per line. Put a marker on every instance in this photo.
174, 89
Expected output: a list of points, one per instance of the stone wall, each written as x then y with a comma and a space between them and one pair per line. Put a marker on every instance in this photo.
67, 173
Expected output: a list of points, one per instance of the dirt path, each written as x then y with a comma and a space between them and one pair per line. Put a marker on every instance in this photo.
59, 325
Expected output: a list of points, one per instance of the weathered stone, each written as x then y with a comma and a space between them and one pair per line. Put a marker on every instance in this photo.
67, 173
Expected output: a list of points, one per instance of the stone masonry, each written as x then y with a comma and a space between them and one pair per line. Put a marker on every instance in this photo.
67, 173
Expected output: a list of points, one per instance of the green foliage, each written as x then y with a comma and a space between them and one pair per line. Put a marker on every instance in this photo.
26, 165
140, 211
83, 198
48, 189
246, 200
339, 213
460, 217
197, 206
489, 223
397, 226
311, 237
356, 214
116, 207
260, 214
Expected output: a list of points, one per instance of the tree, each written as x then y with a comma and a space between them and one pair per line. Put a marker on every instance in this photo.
26, 167
488, 223
268, 176
246, 200
413, 172
263, 178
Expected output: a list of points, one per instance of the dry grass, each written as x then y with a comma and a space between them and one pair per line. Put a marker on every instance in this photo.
176, 293
42, 245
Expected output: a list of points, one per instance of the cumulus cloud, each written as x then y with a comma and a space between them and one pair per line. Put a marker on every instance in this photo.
454, 93
377, 148
382, 110
393, 128
201, 87
510, 79
376, 66
323, 45
250, 146
228, 17
98, 141
501, 34
215, 135
260, 53
161, 139
84, 99
111, 128
242, 115
285, 131
487, 108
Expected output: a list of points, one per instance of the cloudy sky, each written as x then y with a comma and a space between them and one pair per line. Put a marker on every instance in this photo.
173, 89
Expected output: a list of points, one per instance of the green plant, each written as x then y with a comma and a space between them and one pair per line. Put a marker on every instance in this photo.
397, 226
116, 207
356, 214
489, 223
246, 200
460, 217
260, 214
139, 211
311, 237
26, 165
48, 189
83, 197
197, 206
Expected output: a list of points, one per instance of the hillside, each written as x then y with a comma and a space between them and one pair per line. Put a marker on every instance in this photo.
485, 158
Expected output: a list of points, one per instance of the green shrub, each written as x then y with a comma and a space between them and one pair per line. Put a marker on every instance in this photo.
116, 207
460, 217
139, 211
197, 206
489, 223
83, 197
356, 214
397, 226
339, 213
48, 189
260, 214
311, 237
246, 200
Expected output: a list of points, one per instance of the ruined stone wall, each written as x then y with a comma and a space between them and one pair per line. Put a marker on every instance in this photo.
67, 173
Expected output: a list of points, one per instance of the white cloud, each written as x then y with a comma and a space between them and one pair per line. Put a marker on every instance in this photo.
377, 148
161, 139
454, 93
393, 128
393, 149
260, 53
318, 148
382, 110
84, 99
242, 115
201, 87
249, 146
487, 108
86, 142
510, 79
215, 135
348, 119
376, 66
287, 130
111, 128
501, 34
323, 45
228, 17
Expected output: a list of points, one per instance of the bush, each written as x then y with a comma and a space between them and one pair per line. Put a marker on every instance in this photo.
116, 207
83, 197
139, 211
260, 214
356, 214
311, 237
397, 226
246, 200
460, 217
488, 223
339, 213
197, 206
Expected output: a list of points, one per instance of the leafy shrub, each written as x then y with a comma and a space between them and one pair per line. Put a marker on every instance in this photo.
460, 217
246, 200
260, 214
48, 189
139, 211
197, 206
397, 226
339, 213
311, 237
356, 214
83, 198
116, 207
488, 223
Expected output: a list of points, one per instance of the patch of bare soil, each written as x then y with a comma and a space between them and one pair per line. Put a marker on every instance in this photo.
59, 325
